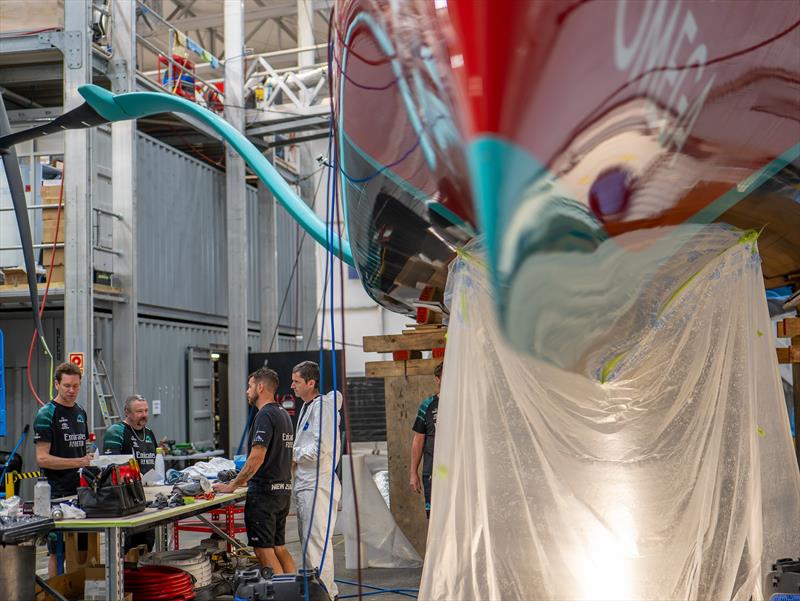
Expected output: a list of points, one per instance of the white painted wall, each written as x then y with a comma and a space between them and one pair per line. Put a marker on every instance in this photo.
363, 317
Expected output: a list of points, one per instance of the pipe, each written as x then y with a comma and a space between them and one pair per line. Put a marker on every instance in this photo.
134, 105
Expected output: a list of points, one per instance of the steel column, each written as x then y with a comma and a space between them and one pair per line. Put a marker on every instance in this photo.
78, 189
308, 260
268, 248
236, 214
115, 574
123, 187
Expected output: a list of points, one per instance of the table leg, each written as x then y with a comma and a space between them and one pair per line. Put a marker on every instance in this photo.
161, 538
114, 565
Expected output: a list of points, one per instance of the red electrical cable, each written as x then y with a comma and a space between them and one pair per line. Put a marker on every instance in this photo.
46, 288
158, 583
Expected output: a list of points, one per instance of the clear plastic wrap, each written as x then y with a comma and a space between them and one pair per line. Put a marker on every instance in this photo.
665, 470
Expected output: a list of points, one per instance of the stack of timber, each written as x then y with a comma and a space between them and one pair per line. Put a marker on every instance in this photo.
406, 349
53, 228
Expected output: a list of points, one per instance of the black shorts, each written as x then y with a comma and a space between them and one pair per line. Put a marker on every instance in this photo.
265, 519
54, 537
426, 487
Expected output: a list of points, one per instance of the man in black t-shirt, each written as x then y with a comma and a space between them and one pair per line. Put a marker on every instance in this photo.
267, 473
60, 434
132, 437
424, 439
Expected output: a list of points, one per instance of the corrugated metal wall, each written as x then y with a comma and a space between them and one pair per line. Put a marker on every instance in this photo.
181, 233
181, 262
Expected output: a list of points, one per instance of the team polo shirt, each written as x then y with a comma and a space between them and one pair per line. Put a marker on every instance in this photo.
426, 424
122, 439
272, 428
66, 430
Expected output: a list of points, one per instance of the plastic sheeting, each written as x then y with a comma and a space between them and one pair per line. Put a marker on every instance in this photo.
383, 544
668, 473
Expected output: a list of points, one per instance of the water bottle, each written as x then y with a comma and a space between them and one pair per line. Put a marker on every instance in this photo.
91, 445
41, 498
161, 468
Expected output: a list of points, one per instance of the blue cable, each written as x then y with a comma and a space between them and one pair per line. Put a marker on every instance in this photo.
397, 591
377, 590
321, 380
333, 368
246, 428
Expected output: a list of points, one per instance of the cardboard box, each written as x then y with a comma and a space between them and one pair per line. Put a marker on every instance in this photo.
15, 276
94, 585
49, 230
58, 273
73, 584
51, 191
50, 213
57, 260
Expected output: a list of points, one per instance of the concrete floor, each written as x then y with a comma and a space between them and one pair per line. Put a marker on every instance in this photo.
407, 578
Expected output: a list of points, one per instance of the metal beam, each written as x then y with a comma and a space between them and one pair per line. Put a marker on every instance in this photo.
32, 115
280, 113
305, 33
277, 10
123, 188
236, 224
30, 73
78, 193
149, 85
308, 258
321, 135
283, 27
290, 125
268, 236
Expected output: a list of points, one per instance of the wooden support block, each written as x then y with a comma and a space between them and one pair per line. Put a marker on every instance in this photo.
789, 354
418, 341
413, 367
789, 327
403, 398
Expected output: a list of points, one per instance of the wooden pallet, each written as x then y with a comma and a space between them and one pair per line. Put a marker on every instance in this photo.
789, 327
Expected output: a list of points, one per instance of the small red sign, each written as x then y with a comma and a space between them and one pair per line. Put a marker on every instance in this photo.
77, 359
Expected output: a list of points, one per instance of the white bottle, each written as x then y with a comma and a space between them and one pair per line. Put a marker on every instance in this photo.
161, 468
41, 498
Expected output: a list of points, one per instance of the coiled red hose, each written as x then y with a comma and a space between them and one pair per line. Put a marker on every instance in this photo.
158, 583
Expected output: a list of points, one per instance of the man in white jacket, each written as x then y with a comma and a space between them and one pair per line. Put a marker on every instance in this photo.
316, 441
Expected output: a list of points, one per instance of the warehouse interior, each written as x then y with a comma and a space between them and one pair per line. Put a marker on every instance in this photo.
602, 284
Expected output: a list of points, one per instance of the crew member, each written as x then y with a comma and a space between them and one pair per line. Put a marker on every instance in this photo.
423, 442
133, 437
60, 435
316, 455
267, 473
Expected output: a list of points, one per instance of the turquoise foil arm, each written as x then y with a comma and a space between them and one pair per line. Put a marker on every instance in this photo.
141, 104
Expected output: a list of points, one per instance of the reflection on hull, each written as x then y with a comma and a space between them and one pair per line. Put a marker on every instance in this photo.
556, 129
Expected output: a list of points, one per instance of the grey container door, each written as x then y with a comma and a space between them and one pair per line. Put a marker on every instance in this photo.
199, 371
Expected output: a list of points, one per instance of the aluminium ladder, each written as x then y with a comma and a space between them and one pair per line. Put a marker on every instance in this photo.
104, 392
